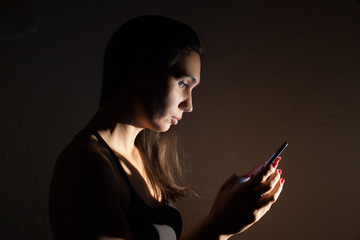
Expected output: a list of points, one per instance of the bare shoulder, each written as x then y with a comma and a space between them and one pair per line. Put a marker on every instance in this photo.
87, 190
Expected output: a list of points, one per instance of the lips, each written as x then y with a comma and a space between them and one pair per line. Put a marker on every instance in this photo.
175, 120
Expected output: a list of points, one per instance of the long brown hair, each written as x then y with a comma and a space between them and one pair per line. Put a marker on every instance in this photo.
151, 43
163, 163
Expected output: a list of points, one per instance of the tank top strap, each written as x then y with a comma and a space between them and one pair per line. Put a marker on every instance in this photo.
163, 222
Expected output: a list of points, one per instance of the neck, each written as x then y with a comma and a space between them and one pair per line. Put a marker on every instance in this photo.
118, 130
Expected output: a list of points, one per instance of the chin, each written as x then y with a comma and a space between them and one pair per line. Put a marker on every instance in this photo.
160, 128
164, 128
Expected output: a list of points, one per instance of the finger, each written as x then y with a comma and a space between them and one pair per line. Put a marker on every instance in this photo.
229, 182
279, 189
270, 184
275, 164
256, 169
240, 184
265, 173
242, 179
277, 161
273, 196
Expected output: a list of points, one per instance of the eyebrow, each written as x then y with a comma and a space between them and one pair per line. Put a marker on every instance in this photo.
179, 73
193, 79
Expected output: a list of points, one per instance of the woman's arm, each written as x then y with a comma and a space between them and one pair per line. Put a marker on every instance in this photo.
238, 206
205, 229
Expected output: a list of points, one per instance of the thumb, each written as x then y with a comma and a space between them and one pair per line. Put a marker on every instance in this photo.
256, 169
229, 182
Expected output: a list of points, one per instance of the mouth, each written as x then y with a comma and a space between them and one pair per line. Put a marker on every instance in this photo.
175, 120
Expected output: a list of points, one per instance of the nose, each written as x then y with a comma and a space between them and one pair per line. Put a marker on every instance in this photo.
186, 105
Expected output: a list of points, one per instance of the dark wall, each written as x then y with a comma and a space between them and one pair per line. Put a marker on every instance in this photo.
274, 71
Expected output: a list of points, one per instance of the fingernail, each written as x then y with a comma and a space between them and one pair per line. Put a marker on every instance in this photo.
282, 181
275, 164
280, 171
246, 176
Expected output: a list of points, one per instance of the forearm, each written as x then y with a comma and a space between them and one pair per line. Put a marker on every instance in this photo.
205, 229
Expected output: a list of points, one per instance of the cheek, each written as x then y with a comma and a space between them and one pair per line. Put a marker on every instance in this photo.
174, 98
169, 106
166, 100
171, 98
155, 101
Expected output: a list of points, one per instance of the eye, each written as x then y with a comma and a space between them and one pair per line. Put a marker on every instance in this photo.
182, 84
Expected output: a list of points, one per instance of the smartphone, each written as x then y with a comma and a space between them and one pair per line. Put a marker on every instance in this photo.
241, 179
276, 154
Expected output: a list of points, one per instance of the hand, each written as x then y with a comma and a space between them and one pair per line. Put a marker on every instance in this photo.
238, 206
256, 169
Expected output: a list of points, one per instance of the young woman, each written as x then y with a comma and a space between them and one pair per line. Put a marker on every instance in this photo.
119, 177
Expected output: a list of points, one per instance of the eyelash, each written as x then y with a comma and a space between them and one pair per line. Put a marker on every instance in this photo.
183, 84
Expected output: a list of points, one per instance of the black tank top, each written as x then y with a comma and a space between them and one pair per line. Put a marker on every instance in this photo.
152, 223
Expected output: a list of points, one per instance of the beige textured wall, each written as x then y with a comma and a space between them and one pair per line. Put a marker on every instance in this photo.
274, 71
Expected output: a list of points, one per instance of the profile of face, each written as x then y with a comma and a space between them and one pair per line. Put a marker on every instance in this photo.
171, 94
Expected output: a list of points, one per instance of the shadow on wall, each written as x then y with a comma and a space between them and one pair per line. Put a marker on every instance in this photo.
16, 18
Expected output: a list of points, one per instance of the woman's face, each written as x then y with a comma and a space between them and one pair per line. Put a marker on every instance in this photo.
170, 101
